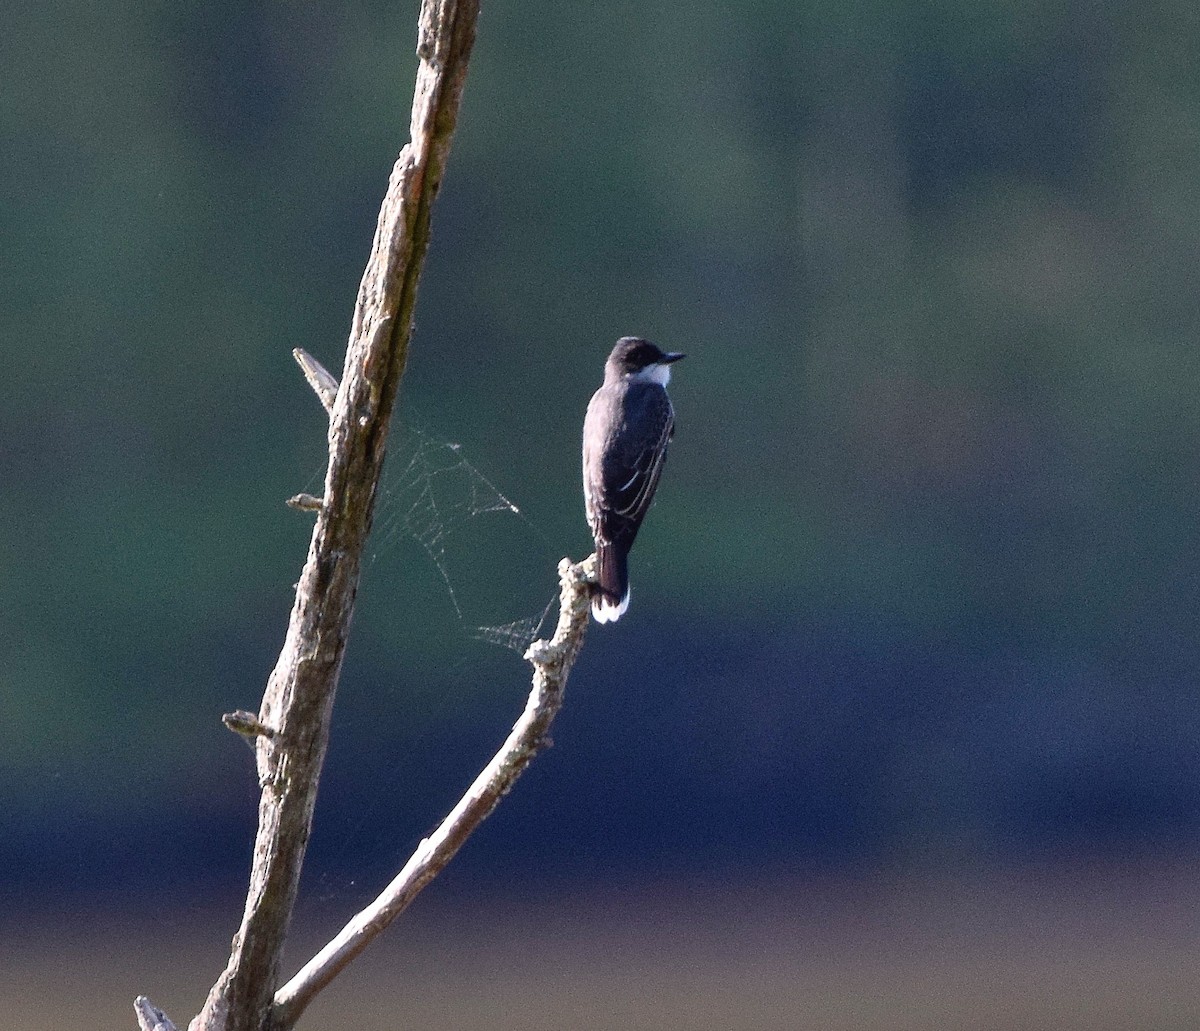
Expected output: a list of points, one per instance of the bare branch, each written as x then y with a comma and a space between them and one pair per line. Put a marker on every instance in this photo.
298, 701
552, 661
150, 1017
304, 503
325, 385
319, 378
246, 723
290, 732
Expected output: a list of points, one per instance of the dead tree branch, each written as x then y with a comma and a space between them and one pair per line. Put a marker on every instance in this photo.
552, 661
298, 701
150, 1017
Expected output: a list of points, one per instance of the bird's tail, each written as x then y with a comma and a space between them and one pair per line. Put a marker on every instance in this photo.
610, 597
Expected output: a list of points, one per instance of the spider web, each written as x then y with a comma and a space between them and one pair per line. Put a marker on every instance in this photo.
434, 496
475, 567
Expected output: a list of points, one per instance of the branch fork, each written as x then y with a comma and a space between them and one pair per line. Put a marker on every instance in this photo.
291, 730
552, 661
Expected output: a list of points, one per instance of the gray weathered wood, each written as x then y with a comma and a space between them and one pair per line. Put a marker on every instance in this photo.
150, 1017
552, 661
298, 701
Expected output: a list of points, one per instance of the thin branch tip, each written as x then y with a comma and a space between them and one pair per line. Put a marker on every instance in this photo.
574, 601
305, 502
246, 724
587, 571
150, 1017
539, 652
323, 382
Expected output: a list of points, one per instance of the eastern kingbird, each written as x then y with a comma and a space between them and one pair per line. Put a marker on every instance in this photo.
629, 424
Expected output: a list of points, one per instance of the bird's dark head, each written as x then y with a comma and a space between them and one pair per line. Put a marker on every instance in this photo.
635, 357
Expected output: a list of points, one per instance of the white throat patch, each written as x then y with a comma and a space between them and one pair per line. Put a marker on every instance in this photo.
659, 372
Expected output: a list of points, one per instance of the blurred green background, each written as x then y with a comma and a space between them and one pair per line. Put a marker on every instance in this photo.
918, 595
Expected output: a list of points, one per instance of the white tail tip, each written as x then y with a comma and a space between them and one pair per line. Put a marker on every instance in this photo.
605, 611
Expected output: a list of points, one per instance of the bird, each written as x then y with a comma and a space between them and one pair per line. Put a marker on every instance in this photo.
628, 426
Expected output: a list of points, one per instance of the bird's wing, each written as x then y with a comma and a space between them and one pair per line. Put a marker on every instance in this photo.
633, 466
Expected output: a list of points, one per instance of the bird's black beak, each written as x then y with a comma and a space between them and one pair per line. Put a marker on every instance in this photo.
673, 356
